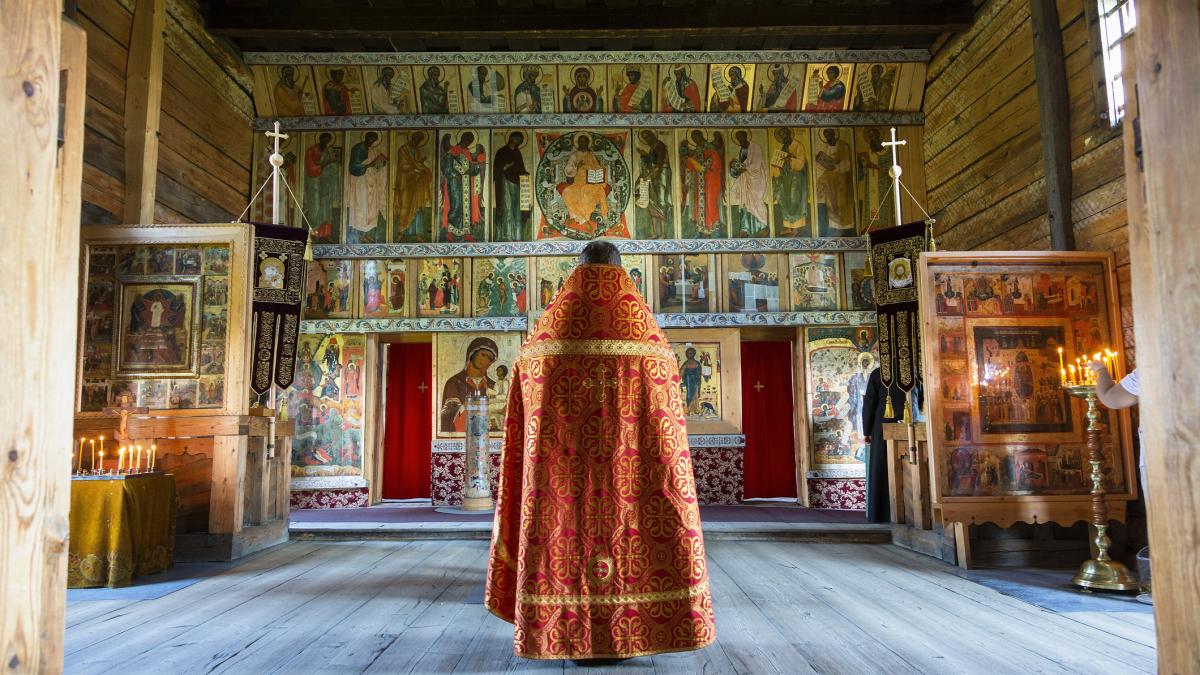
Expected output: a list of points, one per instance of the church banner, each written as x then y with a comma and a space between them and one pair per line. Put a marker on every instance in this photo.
895, 252
279, 269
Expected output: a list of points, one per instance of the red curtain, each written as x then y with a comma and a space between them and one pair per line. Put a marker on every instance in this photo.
767, 417
408, 427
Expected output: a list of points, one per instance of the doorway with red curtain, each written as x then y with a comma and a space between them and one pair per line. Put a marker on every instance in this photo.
408, 430
767, 418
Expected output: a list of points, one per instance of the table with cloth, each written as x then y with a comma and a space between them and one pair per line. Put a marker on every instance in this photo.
121, 527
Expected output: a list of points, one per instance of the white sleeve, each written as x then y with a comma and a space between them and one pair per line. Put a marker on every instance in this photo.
1130, 383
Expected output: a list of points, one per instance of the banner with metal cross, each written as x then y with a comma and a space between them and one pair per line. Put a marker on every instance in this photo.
895, 252
278, 273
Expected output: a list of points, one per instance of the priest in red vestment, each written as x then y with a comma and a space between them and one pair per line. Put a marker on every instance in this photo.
597, 551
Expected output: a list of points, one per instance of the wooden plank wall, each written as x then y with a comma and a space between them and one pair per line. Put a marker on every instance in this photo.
204, 145
983, 145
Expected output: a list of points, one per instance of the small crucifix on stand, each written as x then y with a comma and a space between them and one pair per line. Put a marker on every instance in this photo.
123, 412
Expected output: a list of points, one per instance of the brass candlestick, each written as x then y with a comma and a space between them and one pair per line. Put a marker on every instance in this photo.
1102, 572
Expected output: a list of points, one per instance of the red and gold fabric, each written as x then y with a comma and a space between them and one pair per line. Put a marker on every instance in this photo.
597, 550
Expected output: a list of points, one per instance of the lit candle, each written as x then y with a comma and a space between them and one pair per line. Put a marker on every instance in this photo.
1060, 359
101, 461
79, 467
101, 444
1073, 382
93, 444
139, 458
1062, 378
153, 455
120, 459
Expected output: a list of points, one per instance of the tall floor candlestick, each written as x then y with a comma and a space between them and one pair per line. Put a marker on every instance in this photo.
1102, 572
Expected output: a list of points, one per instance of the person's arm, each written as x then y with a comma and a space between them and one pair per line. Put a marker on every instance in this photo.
870, 405
1110, 393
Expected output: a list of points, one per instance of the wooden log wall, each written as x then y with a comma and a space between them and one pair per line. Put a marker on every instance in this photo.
983, 143
204, 151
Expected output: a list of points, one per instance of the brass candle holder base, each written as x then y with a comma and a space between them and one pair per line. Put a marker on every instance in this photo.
1102, 572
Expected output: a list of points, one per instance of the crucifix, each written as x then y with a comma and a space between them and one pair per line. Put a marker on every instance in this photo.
894, 172
276, 160
123, 411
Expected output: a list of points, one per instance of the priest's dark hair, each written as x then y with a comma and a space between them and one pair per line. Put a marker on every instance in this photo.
600, 253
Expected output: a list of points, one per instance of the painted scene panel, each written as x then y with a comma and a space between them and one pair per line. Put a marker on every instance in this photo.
701, 154
326, 400
552, 273
730, 87
583, 88
158, 325
840, 361
685, 283
583, 184
462, 185
390, 90
501, 286
875, 86
413, 167
321, 184
467, 365
791, 181
700, 379
827, 87
753, 282
534, 88
815, 281
341, 90
782, 88
654, 197
512, 185
684, 87
833, 181
485, 88
293, 91
329, 291
383, 293
440, 286
876, 204
438, 92
746, 191
368, 187
632, 87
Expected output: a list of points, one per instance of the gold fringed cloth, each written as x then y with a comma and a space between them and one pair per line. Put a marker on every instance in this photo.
895, 253
121, 528
597, 550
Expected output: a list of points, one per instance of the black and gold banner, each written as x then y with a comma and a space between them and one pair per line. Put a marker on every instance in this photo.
895, 252
278, 272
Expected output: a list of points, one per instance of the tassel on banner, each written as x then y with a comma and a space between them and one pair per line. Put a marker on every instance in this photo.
888, 411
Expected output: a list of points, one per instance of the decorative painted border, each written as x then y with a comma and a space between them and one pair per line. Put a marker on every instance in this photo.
460, 446
328, 482
548, 120
716, 441
694, 441
856, 472
521, 323
572, 247
764, 319
573, 57
442, 325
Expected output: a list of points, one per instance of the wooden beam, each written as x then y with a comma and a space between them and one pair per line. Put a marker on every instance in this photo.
42, 251
1054, 109
1166, 300
143, 104
461, 22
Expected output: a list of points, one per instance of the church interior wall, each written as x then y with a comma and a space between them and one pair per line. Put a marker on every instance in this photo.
985, 171
204, 125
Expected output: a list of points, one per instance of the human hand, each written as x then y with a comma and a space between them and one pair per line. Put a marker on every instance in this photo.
1097, 367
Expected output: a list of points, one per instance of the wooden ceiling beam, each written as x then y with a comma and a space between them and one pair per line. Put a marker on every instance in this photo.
614, 23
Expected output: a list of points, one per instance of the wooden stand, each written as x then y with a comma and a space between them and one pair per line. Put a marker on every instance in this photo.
233, 498
917, 523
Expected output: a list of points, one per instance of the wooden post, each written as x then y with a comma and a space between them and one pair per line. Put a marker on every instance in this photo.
143, 103
41, 251
1166, 300
1054, 109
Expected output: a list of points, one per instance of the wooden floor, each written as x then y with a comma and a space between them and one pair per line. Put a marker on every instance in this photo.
409, 607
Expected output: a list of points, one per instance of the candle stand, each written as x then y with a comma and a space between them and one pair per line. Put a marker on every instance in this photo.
1102, 572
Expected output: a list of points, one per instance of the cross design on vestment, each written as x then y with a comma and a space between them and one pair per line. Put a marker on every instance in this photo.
602, 381
758, 386
600, 569
123, 411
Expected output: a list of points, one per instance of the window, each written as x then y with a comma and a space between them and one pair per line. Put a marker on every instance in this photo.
1117, 19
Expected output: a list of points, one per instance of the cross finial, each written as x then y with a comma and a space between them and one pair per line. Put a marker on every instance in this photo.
276, 160
895, 171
